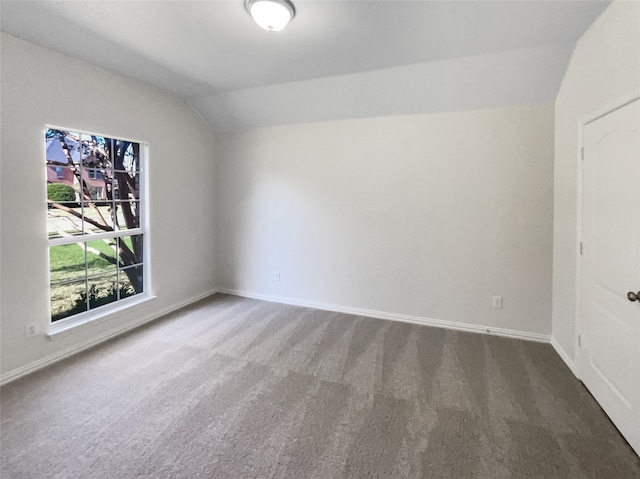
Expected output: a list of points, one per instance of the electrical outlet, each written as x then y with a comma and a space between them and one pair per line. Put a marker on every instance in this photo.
497, 302
277, 275
30, 330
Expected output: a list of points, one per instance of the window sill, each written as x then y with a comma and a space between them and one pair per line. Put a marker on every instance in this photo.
65, 327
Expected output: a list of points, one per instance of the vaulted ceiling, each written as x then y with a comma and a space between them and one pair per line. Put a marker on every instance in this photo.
337, 59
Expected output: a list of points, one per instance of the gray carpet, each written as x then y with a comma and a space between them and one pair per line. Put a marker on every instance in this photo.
239, 388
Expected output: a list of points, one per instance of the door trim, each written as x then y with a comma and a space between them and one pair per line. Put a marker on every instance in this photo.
582, 122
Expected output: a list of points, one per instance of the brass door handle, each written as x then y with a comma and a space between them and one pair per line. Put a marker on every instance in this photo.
631, 296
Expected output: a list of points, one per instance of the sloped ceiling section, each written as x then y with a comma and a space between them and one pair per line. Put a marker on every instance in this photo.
482, 81
337, 59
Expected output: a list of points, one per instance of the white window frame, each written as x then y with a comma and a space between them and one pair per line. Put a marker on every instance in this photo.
64, 326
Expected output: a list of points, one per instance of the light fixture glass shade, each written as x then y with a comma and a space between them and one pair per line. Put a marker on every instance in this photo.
272, 15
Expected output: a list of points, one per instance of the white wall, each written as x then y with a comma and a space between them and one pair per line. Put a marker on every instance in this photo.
42, 87
425, 215
605, 67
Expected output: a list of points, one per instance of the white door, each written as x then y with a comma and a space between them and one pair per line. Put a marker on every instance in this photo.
609, 328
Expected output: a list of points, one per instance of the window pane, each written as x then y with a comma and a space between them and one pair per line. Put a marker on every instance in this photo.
90, 155
66, 262
61, 146
102, 290
108, 145
126, 186
101, 256
61, 223
97, 185
61, 174
126, 156
131, 281
127, 214
68, 299
98, 216
132, 162
130, 250
62, 186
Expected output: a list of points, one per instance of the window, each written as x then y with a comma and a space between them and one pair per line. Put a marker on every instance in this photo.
95, 222
96, 193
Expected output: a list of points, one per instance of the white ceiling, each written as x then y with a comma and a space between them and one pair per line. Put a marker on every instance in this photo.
211, 51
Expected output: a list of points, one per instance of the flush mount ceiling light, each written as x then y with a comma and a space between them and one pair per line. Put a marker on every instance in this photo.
272, 15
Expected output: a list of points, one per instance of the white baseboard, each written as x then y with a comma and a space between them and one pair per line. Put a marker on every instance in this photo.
472, 328
564, 356
65, 353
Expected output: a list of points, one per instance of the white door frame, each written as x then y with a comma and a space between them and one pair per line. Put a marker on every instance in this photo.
611, 107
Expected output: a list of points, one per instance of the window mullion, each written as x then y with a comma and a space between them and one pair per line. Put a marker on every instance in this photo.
95, 236
86, 276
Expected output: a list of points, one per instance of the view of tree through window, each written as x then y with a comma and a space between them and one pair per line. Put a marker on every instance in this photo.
94, 220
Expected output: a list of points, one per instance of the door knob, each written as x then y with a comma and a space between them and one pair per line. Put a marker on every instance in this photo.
631, 296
